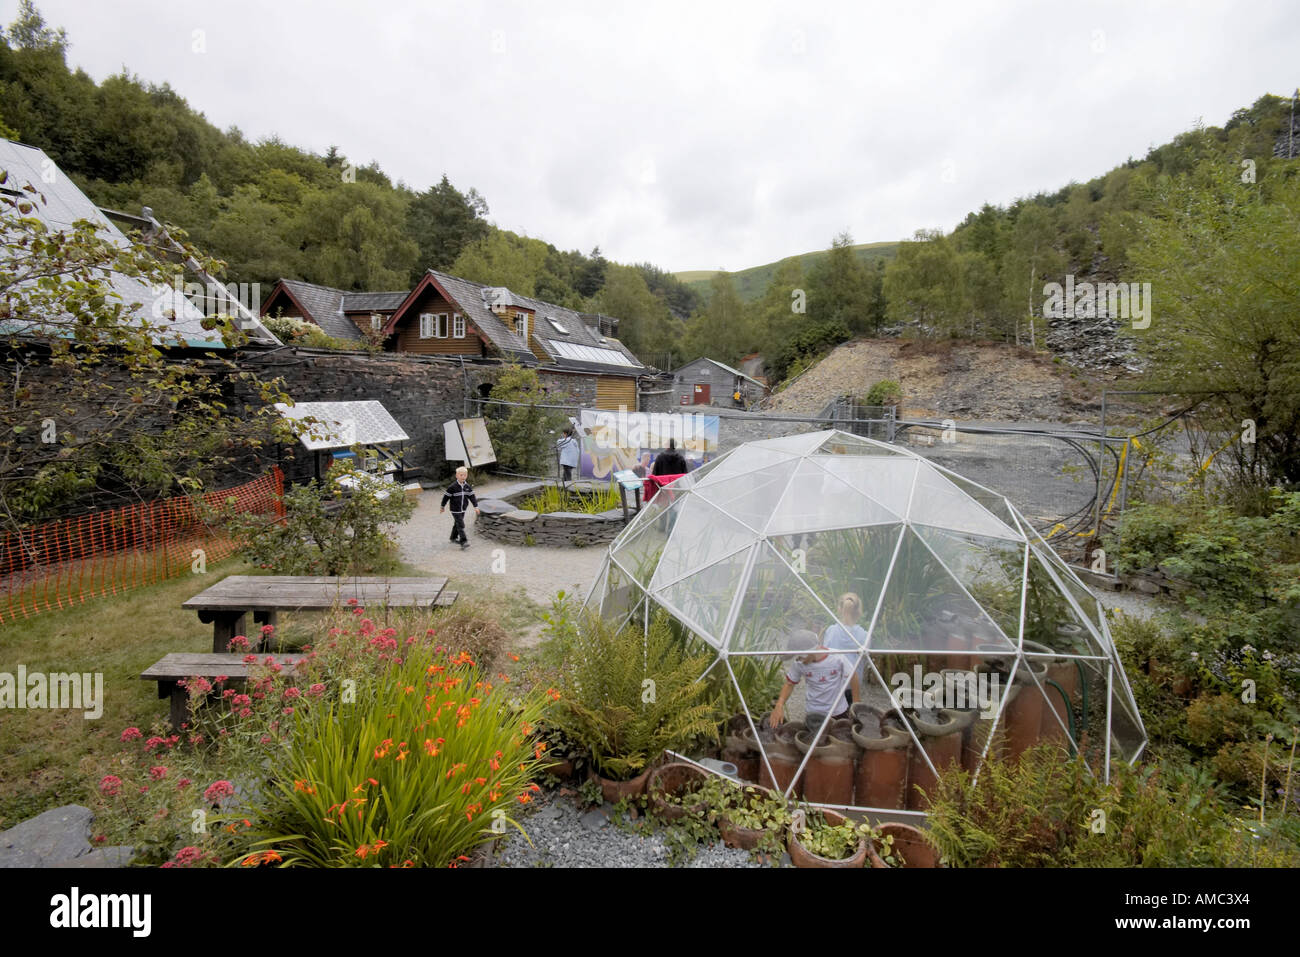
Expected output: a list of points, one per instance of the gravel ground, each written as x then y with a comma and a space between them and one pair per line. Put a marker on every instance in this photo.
562, 835
539, 570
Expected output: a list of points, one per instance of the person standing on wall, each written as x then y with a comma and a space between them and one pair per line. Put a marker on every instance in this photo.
568, 449
459, 493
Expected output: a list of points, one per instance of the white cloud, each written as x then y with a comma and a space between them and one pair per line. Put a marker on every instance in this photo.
702, 135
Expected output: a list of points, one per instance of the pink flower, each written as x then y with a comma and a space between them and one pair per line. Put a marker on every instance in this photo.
218, 790
267, 739
241, 701
183, 783
158, 773
352, 601
291, 692
250, 659
131, 733
110, 785
288, 710
238, 643
153, 743
268, 629
186, 856
201, 685
316, 690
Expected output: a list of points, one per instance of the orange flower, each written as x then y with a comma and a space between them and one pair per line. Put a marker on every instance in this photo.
378, 846
363, 850
480, 781
525, 798
513, 656
555, 695
541, 746
493, 795
430, 748
373, 782
270, 857
494, 764
464, 788
251, 861
358, 788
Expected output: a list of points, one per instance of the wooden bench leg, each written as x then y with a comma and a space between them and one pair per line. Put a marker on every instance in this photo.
225, 626
180, 705
266, 617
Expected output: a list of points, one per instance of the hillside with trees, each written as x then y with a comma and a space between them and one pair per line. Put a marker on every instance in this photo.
268, 209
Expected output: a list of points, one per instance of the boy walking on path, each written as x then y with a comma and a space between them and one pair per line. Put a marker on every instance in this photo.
458, 493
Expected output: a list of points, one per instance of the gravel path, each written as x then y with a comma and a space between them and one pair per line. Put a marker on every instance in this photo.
540, 571
564, 836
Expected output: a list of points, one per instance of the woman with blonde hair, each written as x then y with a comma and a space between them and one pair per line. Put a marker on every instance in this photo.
847, 635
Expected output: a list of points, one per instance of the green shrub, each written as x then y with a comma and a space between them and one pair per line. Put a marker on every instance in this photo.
523, 435
884, 392
1046, 810
626, 696
298, 332
314, 538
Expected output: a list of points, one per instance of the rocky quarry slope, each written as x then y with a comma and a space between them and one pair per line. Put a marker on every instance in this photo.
950, 379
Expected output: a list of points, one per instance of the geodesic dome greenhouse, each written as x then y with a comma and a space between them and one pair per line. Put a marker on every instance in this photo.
957, 626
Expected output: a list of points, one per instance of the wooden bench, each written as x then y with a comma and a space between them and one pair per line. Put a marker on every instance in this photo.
170, 670
227, 603
445, 599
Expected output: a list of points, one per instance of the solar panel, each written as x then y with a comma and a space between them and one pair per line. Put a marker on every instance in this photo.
342, 424
65, 204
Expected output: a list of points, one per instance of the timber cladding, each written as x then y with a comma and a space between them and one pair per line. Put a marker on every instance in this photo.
613, 392
408, 330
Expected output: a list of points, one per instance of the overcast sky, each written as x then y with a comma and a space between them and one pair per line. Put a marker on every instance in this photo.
706, 135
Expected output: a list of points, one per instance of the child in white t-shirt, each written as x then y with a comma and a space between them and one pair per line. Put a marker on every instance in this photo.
826, 675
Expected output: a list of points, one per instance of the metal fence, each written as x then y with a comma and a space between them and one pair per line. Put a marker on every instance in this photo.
1053, 476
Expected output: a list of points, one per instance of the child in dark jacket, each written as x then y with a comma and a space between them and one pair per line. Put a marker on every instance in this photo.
459, 493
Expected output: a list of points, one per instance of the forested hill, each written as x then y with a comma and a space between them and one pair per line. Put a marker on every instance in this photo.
269, 209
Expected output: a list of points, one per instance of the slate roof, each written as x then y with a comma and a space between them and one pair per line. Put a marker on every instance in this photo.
373, 301
577, 333
324, 306
469, 296
64, 204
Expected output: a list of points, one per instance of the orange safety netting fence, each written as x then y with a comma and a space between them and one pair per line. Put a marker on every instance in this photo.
67, 561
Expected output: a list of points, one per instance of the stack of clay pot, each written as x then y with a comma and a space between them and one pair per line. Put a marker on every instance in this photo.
740, 747
782, 754
1065, 673
881, 780
828, 775
940, 732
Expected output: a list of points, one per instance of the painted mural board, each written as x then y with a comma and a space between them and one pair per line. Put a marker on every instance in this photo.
630, 441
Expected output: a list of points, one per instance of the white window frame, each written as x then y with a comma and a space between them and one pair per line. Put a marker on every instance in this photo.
426, 325
521, 317
458, 326
441, 327
376, 321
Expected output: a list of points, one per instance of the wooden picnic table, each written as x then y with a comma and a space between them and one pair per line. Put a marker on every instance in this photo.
227, 603
170, 670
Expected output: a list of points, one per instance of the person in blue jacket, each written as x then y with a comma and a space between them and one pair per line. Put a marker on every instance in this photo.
459, 493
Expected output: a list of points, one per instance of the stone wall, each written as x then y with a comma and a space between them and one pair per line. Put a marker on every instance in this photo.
421, 393
581, 389
501, 520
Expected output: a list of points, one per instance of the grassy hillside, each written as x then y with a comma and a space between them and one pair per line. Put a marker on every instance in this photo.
751, 282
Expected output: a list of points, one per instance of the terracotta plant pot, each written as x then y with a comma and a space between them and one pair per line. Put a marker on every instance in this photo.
675, 778
746, 763
562, 768
910, 842
744, 838
882, 774
784, 757
828, 775
942, 741
802, 857
614, 791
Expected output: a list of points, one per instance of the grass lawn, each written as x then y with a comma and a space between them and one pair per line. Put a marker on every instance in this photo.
49, 757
